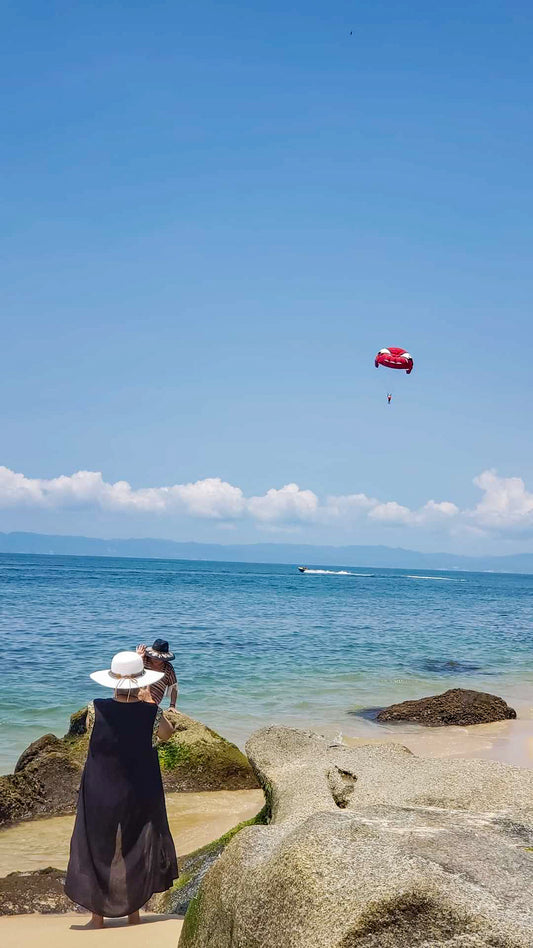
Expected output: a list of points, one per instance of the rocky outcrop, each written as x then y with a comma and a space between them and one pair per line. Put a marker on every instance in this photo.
457, 706
45, 781
372, 847
22, 893
47, 775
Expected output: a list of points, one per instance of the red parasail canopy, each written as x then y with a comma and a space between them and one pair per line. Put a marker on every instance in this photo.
394, 358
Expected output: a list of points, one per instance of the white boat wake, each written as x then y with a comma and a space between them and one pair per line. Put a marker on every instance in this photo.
335, 572
438, 579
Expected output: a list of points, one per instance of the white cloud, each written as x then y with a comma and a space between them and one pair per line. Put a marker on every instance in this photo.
506, 507
347, 506
289, 504
212, 497
391, 513
438, 511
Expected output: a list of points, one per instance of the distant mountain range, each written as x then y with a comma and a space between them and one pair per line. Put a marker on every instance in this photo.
297, 553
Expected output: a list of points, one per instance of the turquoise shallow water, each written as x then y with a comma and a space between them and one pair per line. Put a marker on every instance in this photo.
255, 644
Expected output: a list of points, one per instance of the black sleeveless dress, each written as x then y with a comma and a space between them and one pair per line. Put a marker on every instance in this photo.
121, 850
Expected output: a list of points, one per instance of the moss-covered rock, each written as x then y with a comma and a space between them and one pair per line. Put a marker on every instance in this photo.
78, 723
197, 758
19, 796
45, 781
46, 743
48, 772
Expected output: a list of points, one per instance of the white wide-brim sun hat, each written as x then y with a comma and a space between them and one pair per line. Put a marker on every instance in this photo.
127, 671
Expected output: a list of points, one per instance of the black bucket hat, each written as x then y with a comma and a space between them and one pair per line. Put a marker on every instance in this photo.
160, 650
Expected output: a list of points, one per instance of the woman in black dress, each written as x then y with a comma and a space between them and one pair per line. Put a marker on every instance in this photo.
121, 850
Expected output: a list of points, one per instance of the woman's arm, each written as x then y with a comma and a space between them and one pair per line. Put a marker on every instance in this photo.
165, 729
172, 685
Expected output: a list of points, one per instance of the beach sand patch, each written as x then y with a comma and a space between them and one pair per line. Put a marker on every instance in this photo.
63, 931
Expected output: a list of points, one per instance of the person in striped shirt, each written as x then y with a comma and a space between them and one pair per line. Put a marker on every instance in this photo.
158, 657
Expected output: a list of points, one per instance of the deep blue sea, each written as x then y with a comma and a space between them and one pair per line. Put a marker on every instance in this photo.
254, 643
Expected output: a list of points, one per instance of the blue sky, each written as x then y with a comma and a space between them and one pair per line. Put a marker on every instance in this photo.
214, 215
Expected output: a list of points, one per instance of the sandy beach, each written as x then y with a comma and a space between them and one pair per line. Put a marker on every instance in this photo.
510, 742
64, 931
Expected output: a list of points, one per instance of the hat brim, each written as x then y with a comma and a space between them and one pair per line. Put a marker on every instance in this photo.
108, 680
164, 656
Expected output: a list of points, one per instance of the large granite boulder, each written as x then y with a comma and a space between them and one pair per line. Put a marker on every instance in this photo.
457, 706
372, 847
47, 775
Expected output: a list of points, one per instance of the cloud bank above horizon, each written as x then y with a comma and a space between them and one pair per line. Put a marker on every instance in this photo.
505, 508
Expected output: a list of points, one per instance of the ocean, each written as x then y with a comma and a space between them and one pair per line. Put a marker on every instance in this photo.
255, 644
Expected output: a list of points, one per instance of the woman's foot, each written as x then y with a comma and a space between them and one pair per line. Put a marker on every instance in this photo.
134, 919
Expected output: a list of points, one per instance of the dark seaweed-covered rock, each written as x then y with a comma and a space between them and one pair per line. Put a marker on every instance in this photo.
457, 706
48, 772
45, 781
20, 795
47, 776
78, 723
22, 893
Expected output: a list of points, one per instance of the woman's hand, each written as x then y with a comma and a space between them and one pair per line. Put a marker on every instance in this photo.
165, 729
141, 650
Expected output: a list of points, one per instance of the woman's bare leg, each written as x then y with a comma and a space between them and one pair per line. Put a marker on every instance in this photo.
97, 921
134, 919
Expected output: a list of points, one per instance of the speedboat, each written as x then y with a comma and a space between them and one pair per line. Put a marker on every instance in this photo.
302, 569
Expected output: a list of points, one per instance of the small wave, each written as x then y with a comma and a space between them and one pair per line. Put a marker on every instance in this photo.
336, 572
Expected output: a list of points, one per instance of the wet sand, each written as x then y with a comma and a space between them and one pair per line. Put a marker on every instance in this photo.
195, 819
66, 931
510, 742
